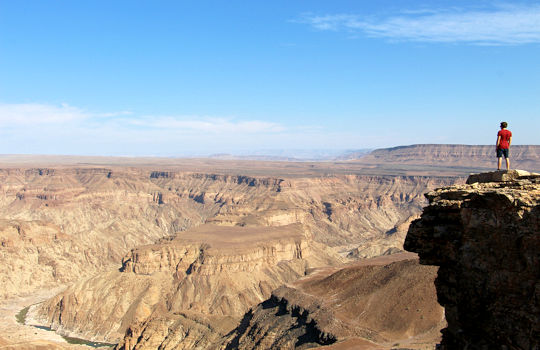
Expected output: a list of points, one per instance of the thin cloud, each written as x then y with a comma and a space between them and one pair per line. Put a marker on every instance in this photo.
64, 129
33, 114
38, 114
114, 114
333, 22
208, 124
500, 25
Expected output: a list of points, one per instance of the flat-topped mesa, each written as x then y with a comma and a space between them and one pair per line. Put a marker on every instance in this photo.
210, 249
475, 157
485, 238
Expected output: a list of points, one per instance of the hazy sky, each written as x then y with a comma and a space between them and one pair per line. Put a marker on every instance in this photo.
201, 77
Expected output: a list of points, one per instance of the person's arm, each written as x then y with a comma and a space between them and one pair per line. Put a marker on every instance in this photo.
509, 141
498, 141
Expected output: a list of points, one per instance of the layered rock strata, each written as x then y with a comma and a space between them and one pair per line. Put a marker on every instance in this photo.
458, 156
485, 236
63, 225
201, 282
60, 225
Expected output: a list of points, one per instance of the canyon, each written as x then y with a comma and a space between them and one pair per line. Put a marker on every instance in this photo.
63, 224
197, 253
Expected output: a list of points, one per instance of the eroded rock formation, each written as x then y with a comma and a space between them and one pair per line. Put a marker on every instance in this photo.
66, 224
63, 224
485, 236
380, 301
212, 272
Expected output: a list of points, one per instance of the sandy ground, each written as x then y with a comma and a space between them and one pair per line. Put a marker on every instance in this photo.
424, 341
363, 344
379, 260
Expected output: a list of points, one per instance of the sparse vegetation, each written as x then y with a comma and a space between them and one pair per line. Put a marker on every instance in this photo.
21, 316
79, 341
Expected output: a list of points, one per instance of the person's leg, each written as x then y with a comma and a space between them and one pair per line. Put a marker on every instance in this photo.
499, 161
506, 153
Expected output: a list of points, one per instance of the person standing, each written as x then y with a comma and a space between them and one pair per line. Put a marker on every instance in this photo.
504, 139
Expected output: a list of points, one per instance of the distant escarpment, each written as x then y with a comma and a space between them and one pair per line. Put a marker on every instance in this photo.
471, 156
485, 238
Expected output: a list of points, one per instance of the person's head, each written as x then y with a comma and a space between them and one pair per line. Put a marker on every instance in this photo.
504, 125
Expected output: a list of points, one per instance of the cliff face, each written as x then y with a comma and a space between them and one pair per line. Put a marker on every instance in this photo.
60, 225
485, 238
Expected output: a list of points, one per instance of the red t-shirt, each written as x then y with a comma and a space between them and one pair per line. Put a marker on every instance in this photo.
505, 137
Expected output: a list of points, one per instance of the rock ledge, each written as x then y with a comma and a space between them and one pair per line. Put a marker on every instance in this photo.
501, 176
485, 236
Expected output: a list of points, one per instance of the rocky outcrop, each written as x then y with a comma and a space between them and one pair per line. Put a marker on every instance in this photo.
31, 250
385, 300
501, 176
210, 272
485, 238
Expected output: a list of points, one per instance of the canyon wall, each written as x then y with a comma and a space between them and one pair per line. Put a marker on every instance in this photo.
485, 238
60, 225
184, 284
376, 302
211, 272
162, 257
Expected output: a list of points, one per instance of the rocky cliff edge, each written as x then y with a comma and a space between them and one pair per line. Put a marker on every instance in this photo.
485, 236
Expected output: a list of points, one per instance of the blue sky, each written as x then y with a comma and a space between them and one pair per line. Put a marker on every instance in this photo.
177, 78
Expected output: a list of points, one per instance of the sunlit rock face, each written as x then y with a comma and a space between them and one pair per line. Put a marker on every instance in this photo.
212, 272
63, 224
485, 238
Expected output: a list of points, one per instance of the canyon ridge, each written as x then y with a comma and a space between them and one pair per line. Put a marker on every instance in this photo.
204, 253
